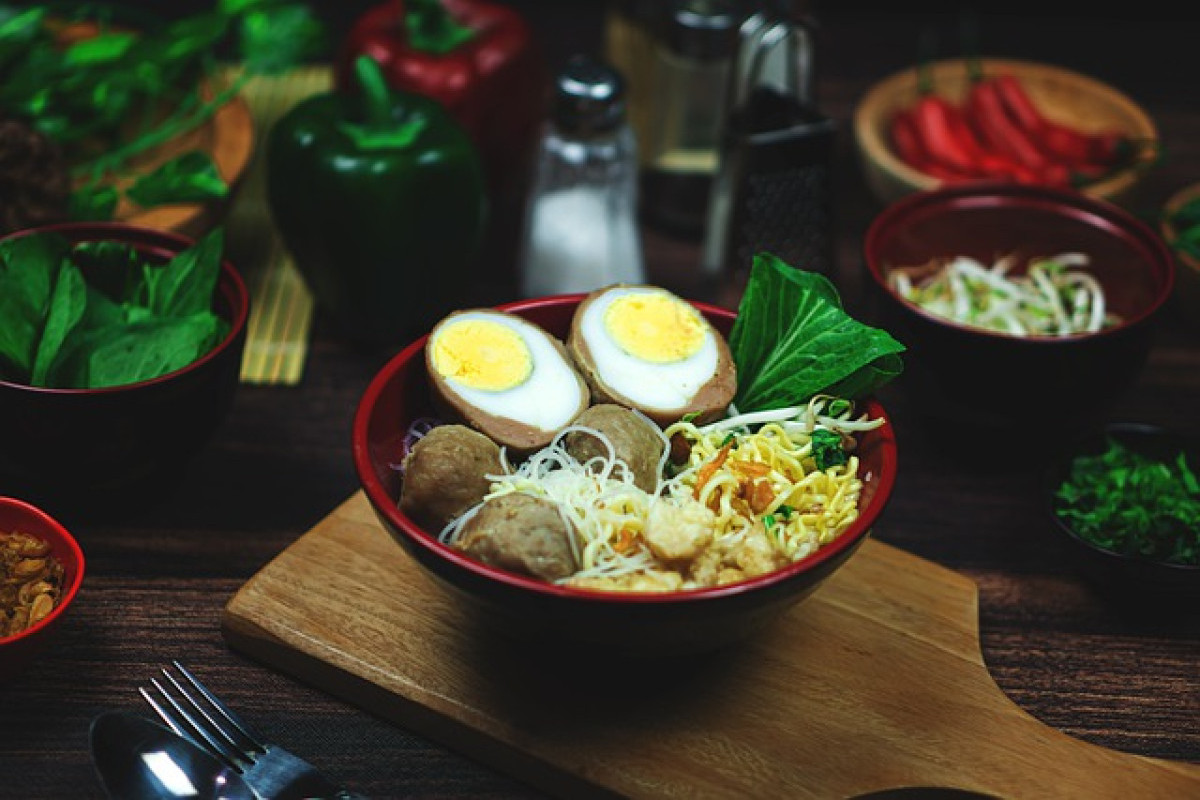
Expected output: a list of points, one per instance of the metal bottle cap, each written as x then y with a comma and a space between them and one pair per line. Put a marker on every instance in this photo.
705, 30
589, 97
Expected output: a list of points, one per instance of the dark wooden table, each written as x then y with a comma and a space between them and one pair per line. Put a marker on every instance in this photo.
159, 577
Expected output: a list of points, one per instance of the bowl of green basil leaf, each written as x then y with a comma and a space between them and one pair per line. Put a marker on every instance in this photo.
1126, 499
120, 354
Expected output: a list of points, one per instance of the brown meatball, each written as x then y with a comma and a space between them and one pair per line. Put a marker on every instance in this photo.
636, 440
445, 474
520, 533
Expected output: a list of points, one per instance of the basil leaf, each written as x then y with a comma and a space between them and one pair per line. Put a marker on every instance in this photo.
19, 27
67, 305
188, 178
792, 340
151, 348
112, 268
28, 265
191, 36
93, 203
233, 8
185, 285
97, 50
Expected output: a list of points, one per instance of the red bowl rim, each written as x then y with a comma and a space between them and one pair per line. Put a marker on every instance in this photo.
229, 278
386, 505
1013, 194
65, 540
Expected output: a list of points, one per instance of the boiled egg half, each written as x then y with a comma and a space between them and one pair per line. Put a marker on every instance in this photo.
505, 376
648, 349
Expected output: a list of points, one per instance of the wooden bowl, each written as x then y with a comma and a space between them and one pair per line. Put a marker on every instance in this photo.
1064, 96
1187, 275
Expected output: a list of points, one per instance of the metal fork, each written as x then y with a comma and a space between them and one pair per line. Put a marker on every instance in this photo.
191, 710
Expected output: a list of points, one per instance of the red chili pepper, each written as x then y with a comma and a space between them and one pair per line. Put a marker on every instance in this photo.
1059, 141
906, 138
1000, 132
942, 140
942, 129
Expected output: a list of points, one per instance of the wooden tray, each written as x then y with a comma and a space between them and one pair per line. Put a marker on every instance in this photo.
874, 683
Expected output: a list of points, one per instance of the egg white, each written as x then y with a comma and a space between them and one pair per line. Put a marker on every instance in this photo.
647, 384
547, 400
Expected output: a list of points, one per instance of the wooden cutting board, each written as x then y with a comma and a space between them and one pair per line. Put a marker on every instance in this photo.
876, 682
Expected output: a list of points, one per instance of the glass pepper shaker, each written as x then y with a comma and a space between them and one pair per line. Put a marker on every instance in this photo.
580, 223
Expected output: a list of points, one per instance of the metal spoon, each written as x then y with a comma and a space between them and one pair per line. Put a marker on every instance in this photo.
137, 759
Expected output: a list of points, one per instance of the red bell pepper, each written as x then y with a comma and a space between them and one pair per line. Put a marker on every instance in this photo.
479, 59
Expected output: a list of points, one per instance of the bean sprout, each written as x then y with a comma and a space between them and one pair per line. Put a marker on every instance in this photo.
1054, 297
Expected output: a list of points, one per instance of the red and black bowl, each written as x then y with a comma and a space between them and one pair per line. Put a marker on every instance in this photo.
73, 450
19, 650
997, 385
625, 624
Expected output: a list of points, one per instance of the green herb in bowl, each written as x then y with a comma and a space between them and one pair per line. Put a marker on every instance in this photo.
1132, 503
97, 314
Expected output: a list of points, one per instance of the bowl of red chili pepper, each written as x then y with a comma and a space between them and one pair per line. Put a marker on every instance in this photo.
959, 120
1125, 498
1020, 305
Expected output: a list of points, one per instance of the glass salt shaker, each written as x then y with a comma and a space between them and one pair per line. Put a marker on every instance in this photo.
580, 223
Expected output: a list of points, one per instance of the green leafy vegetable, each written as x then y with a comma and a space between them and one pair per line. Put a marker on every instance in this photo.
827, 449
94, 203
98, 314
1186, 221
1130, 503
189, 178
138, 83
793, 340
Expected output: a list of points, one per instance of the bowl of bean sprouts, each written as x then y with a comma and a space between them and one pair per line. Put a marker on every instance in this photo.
1023, 307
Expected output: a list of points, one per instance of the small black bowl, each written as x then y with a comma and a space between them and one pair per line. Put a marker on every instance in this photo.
1129, 578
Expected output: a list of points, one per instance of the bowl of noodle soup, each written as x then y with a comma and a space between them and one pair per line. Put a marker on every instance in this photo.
671, 614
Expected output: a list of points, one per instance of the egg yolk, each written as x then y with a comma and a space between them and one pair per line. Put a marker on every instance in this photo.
654, 327
482, 354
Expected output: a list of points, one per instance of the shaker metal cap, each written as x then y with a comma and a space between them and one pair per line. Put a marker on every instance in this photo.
589, 96
705, 30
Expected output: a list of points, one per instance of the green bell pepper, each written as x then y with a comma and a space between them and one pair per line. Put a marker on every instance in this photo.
380, 198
